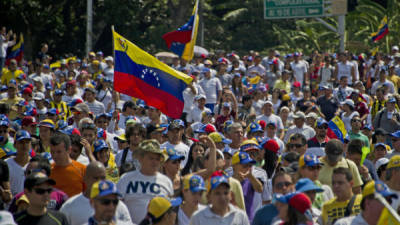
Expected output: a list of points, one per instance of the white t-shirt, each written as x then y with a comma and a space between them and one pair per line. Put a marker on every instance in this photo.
344, 69
299, 70
272, 118
180, 148
347, 119
306, 130
211, 87
183, 219
195, 114
235, 216
78, 210
17, 176
96, 107
137, 190
83, 159
188, 97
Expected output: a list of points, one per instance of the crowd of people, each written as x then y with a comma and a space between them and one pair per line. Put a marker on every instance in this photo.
255, 143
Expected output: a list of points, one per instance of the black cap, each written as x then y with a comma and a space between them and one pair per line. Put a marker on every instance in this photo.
37, 178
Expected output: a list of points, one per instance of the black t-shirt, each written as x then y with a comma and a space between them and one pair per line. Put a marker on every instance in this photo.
49, 218
4, 177
328, 107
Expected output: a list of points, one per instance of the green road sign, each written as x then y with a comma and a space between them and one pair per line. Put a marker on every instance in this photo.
283, 9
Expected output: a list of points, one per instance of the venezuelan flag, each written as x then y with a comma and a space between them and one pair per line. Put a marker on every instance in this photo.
57, 64
336, 129
17, 51
140, 75
182, 41
382, 30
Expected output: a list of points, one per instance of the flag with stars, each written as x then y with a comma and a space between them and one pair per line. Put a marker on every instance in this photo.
141, 75
182, 41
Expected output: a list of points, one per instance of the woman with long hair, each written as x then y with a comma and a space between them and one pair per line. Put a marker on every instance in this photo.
238, 89
270, 147
348, 113
196, 152
161, 211
298, 211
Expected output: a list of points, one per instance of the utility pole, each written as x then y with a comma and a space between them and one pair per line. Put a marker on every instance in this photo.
341, 31
89, 23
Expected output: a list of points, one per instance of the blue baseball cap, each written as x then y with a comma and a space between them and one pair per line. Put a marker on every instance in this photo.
205, 70
175, 124
367, 126
22, 103
102, 188
309, 159
206, 128
396, 134
100, 145
320, 121
173, 155
58, 92
305, 184
228, 150
391, 100
218, 180
62, 124
254, 127
285, 198
53, 111
218, 137
4, 121
194, 183
380, 144
242, 158
106, 115
22, 135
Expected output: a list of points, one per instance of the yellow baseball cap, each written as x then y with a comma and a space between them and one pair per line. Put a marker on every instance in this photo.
377, 187
218, 137
158, 206
242, 158
102, 188
249, 145
309, 159
394, 162
194, 183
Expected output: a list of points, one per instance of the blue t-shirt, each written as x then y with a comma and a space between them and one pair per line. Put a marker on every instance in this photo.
265, 215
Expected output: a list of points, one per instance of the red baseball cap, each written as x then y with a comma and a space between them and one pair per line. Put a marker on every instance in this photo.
296, 84
27, 91
270, 145
28, 121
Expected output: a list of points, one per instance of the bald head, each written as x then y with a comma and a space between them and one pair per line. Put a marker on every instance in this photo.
95, 171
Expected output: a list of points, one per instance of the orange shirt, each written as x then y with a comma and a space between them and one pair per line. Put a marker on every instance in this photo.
69, 179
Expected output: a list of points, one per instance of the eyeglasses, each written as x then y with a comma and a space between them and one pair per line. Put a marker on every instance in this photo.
41, 191
280, 185
295, 145
109, 201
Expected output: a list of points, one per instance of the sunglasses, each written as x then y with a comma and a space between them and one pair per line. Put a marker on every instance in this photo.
323, 127
41, 191
109, 201
295, 145
280, 185
88, 126
355, 120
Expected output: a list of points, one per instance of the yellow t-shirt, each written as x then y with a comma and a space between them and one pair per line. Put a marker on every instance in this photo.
9, 75
325, 175
279, 84
112, 169
396, 81
333, 210
11, 103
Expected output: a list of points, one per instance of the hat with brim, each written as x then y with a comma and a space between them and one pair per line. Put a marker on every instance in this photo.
152, 146
37, 179
103, 188
120, 138
305, 184
194, 183
158, 206
173, 154
377, 187
216, 181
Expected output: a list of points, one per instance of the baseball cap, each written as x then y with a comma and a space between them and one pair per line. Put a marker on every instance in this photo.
90, 90
396, 134
75, 102
53, 111
176, 124
159, 205
101, 133
151, 145
312, 115
205, 70
28, 120
208, 62
242, 158
268, 102
270, 145
216, 181
305, 184
38, 96
380, 144
22, 135
296, 84
395, 48
228, 150
309, 159
394, 162
391, 100
207, 128
348, 102
58, 92
254, 127
120, 138
249, 145
321, 121
226, 105
380, 162
194, 183
102, 188
378, 186
4, 120
81, 107
173, 154
109, 58
47, 123
37, 178
62, 124
218, 137
200, 96
100, 145
299, 115
71, 83
272, 124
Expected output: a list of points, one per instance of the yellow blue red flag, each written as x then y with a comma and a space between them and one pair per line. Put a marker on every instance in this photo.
336, 129
141, 75
17, 51
382, 30
182, 41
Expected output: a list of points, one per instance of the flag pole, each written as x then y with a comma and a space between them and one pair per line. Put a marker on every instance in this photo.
388, 206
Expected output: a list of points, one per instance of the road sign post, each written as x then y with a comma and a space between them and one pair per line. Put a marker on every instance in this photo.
286, 9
